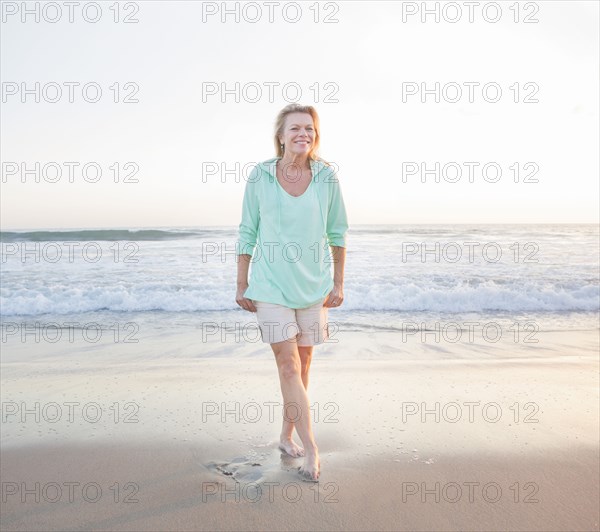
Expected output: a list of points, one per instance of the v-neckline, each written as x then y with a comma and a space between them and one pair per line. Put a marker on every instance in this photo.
312, 178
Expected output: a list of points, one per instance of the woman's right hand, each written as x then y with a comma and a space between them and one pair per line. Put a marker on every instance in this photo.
242, 301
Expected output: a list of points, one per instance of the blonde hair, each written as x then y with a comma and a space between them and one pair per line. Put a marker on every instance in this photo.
280, 124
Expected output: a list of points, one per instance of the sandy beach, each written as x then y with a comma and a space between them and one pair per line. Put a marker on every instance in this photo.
174, 434
428, 171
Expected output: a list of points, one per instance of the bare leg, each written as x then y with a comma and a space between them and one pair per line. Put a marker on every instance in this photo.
296, 405
287, 444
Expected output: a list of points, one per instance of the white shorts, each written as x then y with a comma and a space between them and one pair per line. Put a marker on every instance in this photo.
306, 326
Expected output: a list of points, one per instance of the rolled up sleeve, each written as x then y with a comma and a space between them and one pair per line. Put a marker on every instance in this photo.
337, 221
248, 227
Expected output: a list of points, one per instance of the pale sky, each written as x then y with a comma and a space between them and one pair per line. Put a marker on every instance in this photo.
370, 133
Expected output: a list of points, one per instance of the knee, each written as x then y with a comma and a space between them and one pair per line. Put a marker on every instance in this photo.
305, 359
288, 362
289, 368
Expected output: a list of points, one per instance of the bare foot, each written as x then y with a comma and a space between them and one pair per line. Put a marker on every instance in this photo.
291, 447
311, 468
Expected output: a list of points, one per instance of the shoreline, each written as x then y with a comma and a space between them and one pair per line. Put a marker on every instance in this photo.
159, 419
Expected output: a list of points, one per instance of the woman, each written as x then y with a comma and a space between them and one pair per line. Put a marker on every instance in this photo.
292, 213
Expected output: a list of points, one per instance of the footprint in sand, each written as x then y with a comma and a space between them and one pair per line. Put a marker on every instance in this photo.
256, 467
242, 470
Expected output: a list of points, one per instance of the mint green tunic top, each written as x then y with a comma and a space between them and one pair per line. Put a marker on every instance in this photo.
288, 237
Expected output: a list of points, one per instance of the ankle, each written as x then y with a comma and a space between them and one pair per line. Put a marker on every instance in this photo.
311, 450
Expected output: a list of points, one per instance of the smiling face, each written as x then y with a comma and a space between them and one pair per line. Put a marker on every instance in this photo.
298, 134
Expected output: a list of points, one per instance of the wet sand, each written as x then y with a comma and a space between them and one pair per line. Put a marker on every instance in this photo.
412, 437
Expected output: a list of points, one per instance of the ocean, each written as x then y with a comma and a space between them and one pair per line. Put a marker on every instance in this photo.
397, 278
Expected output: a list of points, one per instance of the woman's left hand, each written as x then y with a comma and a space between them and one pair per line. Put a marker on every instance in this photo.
335, 297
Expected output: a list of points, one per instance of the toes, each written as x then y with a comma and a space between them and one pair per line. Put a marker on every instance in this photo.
307, 475
292, 449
